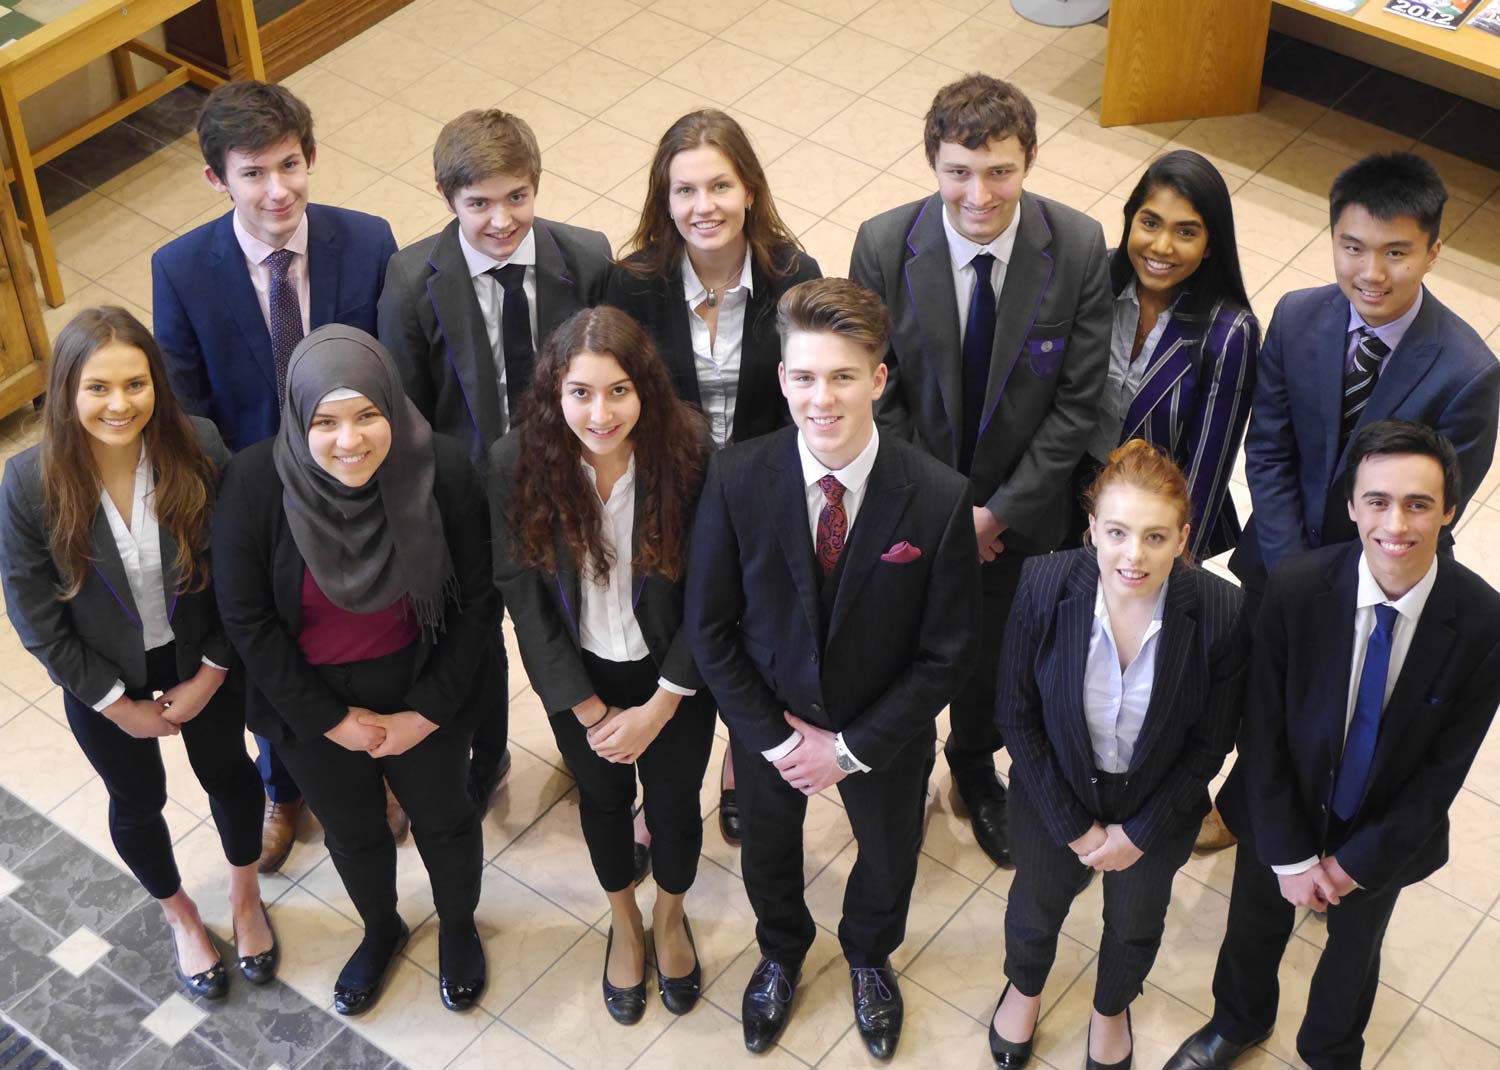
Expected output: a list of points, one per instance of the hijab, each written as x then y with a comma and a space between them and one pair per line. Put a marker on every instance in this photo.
371, 546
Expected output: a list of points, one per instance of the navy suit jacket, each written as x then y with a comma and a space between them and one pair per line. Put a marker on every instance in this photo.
1442, 374
1277, 797
209, 324
901, 636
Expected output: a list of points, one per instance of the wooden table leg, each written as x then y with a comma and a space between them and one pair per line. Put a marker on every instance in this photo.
242, 37
124, 73
31, 197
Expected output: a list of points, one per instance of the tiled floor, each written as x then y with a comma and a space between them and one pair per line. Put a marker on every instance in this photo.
832, 92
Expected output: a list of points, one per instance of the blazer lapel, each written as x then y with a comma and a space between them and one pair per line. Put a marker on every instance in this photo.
170, 577
1404, 368
567, 581
1179, 634
1333, 617
450, 289
887, 495
1327, 340
679, 355
1167, 364
556, 292
789, 517
1075, 627
1027, 277
230, 278
934, 307
322, 269
110, 568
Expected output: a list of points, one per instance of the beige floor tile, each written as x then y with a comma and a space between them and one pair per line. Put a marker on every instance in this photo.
337, 177
796, 101
1190, 946
528, 721
950, 838
1256, 268
1089, 40
840, 11
1060, 78
1285, 281
412, 1024
1160, 1024
853, 60
1316, 257
387, 135
1154, 134
410, 210
913, 24
870, 131
913, 86
32, 680
1304, 171
552, 860
720, 71
40, 762
10, 704
500, 1045
413, 889
884, 191
650, 42
447, 26
1475, 297
1215, 869
1466, 180
980, 45
102, 236
382, 61
580, 21
1238, 144
1475, 244
722, 918
631, 192
169, 194
1094, 155
598, 157
818, 179
825, 832
589, 82
934, 1034
823, 1008
454, 88
416, 173
1355, 137
1469, 993
651, 109
708, 791
1433, 1042
1109, 211
710, 19
85, 814
531, 788
778, 31
519, 52
710, 1037
831, 245
316, 941
1484, 775
1003, 13
1472, 874
333, 99
549, 120
132, 279
1275, 225
205, 877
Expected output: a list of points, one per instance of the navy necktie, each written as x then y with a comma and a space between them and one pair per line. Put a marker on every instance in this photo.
285, 315
515, 335
979, 345
1364, 729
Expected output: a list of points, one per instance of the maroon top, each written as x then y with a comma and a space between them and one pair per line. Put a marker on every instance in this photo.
334, 636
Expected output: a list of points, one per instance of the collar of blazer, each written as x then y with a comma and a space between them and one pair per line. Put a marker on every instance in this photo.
111, 569
569, 579
466, 340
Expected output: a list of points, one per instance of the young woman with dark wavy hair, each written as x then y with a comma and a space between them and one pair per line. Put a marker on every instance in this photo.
591, 499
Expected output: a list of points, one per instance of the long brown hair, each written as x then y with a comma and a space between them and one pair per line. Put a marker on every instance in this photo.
185, 478
550, 485
656, 246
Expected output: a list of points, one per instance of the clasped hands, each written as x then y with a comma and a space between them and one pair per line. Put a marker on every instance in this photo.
380, 735
1106, 848
621, 734
812, 764
1319, 888
165, 716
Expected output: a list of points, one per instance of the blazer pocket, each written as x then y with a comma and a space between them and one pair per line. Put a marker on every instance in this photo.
1045, 345
760, 653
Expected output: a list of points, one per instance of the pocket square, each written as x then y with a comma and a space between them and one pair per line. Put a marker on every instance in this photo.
902, 553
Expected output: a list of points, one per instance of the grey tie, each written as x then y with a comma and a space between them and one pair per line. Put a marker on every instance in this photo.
1359, 381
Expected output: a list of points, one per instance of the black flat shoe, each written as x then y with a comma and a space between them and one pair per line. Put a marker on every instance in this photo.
1207, 1050
356, 999
212, 983
729, 817
259, 969
680, 994
461, 993
642, 859
878, 1009
1008, 1054
766, 1006
1090, 1063
989, 816
625, 1005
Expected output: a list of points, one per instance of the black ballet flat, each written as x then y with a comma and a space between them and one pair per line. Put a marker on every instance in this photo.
460, 994
1008, 1054
350, 1000
625, 1005
1090, 1063
680, 994
729, 817
212, 983
260, 969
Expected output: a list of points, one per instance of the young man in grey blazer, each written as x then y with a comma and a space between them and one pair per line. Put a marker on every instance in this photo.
1001, 311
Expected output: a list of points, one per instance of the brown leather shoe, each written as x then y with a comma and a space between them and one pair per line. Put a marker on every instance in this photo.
1214, 835
396, 817
278, 831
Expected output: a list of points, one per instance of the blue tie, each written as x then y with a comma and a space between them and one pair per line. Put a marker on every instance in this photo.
979, 344
1364, 729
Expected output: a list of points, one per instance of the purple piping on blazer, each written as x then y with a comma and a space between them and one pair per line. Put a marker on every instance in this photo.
564, 596
124, 604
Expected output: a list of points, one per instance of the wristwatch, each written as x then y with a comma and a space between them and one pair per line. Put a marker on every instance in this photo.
843, 757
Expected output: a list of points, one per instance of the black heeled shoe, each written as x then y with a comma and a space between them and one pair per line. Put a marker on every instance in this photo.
680, 994
729, 810
625, 1005
350, 1000
642, 859
1090, 1063
1008, 1054
461, 993
260, 969
212, 983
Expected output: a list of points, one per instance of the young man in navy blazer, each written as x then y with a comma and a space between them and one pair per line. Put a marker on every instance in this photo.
1377, 345
1374, 680
1001, 310
833, 602
232, 298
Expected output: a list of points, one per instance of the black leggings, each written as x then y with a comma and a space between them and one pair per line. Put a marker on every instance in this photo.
671, 770
137, 782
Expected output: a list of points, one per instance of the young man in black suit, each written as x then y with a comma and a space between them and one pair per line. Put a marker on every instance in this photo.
833, 604
1375, 678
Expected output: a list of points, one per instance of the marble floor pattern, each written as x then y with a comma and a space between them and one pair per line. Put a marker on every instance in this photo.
832, 93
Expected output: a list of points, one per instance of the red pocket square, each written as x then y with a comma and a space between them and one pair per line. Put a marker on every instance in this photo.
902, 553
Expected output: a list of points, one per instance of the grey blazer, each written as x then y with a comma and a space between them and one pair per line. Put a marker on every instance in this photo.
1048, 369
95, 639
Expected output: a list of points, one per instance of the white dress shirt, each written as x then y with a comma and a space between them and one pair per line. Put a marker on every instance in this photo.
1115, 700
491, 297
1408, 612
961, 251
256, 252
1125, 375
607, 627
854, 477
718, 363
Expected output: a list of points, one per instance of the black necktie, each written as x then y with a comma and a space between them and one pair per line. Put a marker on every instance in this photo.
515, 335
1359, 380
979, 344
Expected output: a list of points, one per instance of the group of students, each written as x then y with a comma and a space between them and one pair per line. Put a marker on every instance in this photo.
703, 478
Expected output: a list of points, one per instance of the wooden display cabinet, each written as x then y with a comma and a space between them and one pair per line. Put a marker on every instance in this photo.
23, 337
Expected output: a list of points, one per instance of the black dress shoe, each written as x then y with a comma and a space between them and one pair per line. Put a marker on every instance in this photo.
259, 969
680, 994
460, 990
729, 817
990, 817
1008, 1054
212, 983
625, 1005
767, 1004
642, 860
878, 1009
485, 780
1206, 1050
356, 999
1090, 1063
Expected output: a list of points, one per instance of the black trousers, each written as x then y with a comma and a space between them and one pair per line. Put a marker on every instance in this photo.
492, 733
973, 735
671, 771
133, 774
1049, 877
346, 790
1343, 988
885, 809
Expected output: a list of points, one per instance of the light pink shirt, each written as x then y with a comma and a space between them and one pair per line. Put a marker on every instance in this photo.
256, 252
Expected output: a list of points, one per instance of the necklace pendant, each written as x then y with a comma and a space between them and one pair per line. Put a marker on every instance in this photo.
713, 299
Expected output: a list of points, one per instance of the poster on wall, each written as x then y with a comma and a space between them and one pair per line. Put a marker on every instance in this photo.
1445, 14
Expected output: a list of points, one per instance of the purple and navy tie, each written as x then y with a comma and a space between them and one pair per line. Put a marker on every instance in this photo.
286, 317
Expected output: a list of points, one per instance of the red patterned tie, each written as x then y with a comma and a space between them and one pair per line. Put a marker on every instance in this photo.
833, 524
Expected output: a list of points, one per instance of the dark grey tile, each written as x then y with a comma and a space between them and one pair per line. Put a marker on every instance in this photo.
143, 955
22, 830
24, 961
1401, 104
106, 154
349, 1051
1470, 130
1310, 72
259, 1026
67, 885
91, 1021
189, 1054
171, 116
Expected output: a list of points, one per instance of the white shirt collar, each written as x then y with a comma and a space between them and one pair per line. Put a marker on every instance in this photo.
853, 475
1101, 608
1409, 605
620, 484
478, 263
1390, 333
256, 250
694, 290
961, 250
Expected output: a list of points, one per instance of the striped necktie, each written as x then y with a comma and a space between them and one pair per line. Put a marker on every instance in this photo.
1359, 380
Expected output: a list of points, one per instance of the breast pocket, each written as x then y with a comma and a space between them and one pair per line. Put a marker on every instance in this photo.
1045, 345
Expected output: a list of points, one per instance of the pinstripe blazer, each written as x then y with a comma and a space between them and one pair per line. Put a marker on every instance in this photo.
1191, 719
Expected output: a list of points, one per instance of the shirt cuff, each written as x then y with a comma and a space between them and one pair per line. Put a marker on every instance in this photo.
676, 689
109, 698
215, 665
1296, 869
775, 754
861, 766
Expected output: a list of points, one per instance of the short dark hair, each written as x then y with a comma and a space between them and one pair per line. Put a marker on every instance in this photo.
1389, 185
836, 306
249, 116
1385, 437
975, 110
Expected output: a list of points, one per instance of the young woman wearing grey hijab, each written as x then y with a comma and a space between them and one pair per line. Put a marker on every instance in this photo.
351, 561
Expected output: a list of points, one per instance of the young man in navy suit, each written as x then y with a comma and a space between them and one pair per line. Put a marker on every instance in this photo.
232, 298
833, 602
1374, 680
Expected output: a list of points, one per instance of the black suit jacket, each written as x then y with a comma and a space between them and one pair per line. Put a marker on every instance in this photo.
901, 637
258, 574
1277, 797
430, 321
94, 639
545, 605
1197, 692
658, 305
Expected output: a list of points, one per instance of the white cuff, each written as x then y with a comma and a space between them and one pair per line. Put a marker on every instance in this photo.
215, 665
775, 754
110, 697
1296, 869
676, 689
861, 766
